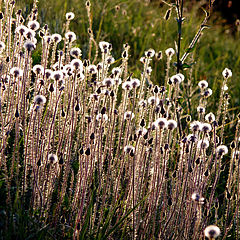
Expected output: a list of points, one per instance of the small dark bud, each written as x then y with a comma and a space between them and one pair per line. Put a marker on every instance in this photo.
174, 174
197, 161
7, 59
169, 202
156, 89
142, 123
233, 145
103, 111
61, 160
77, 107
81, 151
150, 141
98, 91
63, 113
16, 113
87, 152
166, 147
145, 136
51, 88
131, 153
112, 93
92, 136
206, 173
190, 169
39, 162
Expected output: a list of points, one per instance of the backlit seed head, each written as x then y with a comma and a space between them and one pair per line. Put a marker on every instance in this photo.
127, 85
16, 72
29, 34
21, 29
203, 84
38, 69
135, 82
142, 103
162, 123
207, 93
70, 16
201, 109
48, 73
52, 158
203, 144
206, 127
128, 149
108, 82
153, 100
33, 25
150, 53
104, 46
110, 60
77, 64
212, 232
176, 79
128, 115
227, 73
170, 52
76, 52
57, 75
195, 126
210, 117
29, 46
171, 124
221, 150
56, 38
102, 117
2, 46
70, 36
39, 100
192, 138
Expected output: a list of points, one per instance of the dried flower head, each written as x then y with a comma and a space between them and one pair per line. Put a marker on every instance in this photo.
206, 127
128, 149
56, 38
203, 144
38, 69
161, 123
135, 82
128, 115
29, 46
104, 46
150, 53
16, 72
210, 117
201, 109
127, 85
70, 36
212, 232
207, 93
77, 64
195, 126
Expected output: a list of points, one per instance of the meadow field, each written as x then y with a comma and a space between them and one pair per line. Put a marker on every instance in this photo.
119, 120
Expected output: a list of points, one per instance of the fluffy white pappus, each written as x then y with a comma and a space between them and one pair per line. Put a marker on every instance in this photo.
210, 117
150, 53
153, 100
77, 64
56, 38
33, 25
170, 52
70, 36
38, 69
135, 82
212, 232
76, 52
127, 85
171, 124
105, 47
196, 126
128, 115
70, 16
227, 73
203, 84
16, 72
221, 150
203, 144
39, 100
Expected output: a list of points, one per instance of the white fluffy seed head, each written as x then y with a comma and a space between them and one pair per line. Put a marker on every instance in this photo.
171, 124
203, 84
170, 52
203, 144
76, 52
52, 158
16, 72
77, 64
221, 150
70, 16
128, 115
39, 100
161, 123
56, 38
206, 127
195, 126
150, 53
210, 117
33, 25
129, 148
227, 73
212, 232
70, 36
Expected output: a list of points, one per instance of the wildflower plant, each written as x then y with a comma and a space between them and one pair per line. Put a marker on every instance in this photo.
91, 150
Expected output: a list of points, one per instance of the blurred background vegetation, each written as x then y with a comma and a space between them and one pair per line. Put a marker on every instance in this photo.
141, 24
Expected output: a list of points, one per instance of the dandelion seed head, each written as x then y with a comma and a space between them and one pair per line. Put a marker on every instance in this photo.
201, 109
176, 79
127, 85
110, 60
135, 82
57, 75
192, 138
195, 126
153, 100
116, 71
162, 123
108, 82
38, 69
207, 93
212, 232
142, 103
21, 29
206, 127
77, 64
29, 34
102, 117
104, 46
